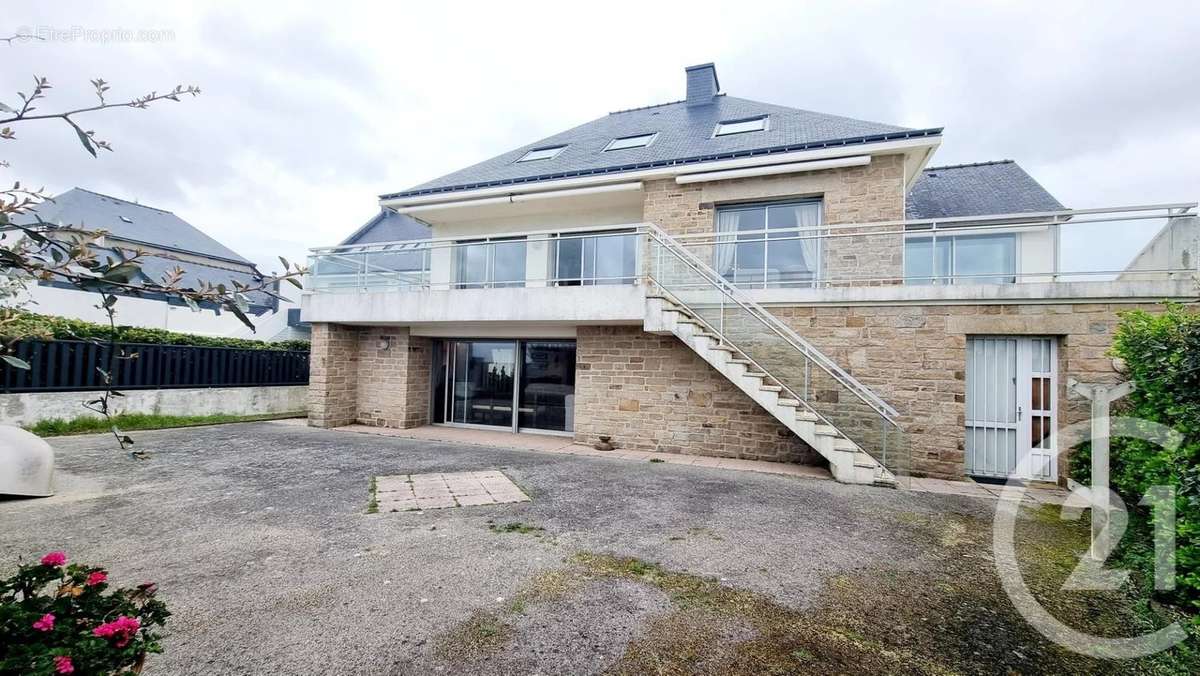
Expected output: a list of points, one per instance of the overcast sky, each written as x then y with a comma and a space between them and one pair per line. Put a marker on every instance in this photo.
309, 111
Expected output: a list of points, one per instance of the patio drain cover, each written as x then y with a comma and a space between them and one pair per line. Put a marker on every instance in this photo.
407, 492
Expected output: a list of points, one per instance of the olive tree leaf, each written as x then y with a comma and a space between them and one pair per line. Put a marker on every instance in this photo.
14, 362
83, 137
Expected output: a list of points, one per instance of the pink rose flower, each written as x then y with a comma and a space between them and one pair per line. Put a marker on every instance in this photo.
45, 624
96, 577
120, 630
54, 559
62, 664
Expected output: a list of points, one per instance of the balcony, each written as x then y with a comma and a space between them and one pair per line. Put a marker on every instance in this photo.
593, 276
566, 277
1118, 252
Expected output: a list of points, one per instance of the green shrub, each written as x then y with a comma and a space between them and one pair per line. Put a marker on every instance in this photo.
61, 619
32, 325
1162, 353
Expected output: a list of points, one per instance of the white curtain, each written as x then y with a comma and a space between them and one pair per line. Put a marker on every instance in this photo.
727, 225
809, 216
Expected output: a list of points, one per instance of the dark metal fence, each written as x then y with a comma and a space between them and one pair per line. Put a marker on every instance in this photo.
70, 365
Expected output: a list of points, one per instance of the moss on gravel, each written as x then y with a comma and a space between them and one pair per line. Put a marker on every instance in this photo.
949, 615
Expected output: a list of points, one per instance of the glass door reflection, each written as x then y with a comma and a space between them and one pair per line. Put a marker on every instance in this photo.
547, 393
482, 380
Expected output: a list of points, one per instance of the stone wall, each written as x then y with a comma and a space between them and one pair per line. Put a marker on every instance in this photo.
866, 194
353, 380
333, 370
914, 357
393, 383
652, 393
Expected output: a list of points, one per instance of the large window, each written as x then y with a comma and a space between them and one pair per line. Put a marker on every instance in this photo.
511, 384
490, 263
594, 258
769, 245
961, 259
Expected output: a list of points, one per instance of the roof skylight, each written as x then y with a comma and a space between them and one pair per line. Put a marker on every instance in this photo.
541, 153
639, 141
741, 126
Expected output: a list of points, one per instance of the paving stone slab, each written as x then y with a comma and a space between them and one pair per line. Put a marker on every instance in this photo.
434, 490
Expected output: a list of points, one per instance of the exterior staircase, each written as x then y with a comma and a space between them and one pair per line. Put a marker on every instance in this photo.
669, 312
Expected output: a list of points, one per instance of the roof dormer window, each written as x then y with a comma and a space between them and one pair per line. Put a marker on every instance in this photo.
542, 153
741, 126
639, 141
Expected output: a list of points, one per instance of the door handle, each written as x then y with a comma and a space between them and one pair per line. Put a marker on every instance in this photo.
1018, 413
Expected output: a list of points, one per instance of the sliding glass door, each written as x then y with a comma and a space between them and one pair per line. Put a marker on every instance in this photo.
507, 384
482, 383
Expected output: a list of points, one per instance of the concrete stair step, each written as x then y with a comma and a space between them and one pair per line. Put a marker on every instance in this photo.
770, 388
791, 403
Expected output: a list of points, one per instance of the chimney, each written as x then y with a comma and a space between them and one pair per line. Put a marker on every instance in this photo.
702, 84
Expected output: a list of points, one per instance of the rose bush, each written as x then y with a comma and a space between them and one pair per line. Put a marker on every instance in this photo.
60, 618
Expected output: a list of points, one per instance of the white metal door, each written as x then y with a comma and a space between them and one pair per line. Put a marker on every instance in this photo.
1010, 402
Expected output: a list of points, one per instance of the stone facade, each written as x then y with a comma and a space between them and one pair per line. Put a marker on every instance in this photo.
393, 383
332, 374
352, 379
872, 193
914, 357
652, 393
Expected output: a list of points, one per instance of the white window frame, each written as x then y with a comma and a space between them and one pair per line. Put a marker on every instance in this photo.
526, 157
719, 129
650, 138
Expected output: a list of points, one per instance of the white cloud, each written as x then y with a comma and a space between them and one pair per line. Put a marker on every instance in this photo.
311, 110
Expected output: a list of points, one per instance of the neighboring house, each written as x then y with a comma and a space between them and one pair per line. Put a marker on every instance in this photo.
720, 276
169, 242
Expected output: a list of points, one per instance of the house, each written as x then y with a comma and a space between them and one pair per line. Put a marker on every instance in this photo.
725, 277
168, 242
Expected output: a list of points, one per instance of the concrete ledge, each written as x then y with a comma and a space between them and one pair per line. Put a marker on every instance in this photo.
567, 304
31, 407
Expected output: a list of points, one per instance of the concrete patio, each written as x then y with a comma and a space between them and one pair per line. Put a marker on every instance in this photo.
547, 443
260, 538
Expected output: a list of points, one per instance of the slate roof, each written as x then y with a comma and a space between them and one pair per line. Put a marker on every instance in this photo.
154, 268
140, 223
389, 226
685, 136
980, 189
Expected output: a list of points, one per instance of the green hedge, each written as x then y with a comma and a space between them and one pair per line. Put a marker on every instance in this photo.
31, 325
1162, 353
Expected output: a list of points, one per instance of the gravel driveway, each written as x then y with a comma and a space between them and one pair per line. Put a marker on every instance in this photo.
259, 537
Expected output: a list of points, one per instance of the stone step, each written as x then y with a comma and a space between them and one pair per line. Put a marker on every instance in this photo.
792, 403
770, 388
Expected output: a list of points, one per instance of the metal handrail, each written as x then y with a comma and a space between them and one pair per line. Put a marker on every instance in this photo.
771, 321
1009, 220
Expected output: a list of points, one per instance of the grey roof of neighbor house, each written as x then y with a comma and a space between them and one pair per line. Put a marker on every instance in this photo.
389, 226
685, 136
981, 189
132, 222
138, 223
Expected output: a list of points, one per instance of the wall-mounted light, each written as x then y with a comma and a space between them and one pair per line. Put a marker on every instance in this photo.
385, 343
